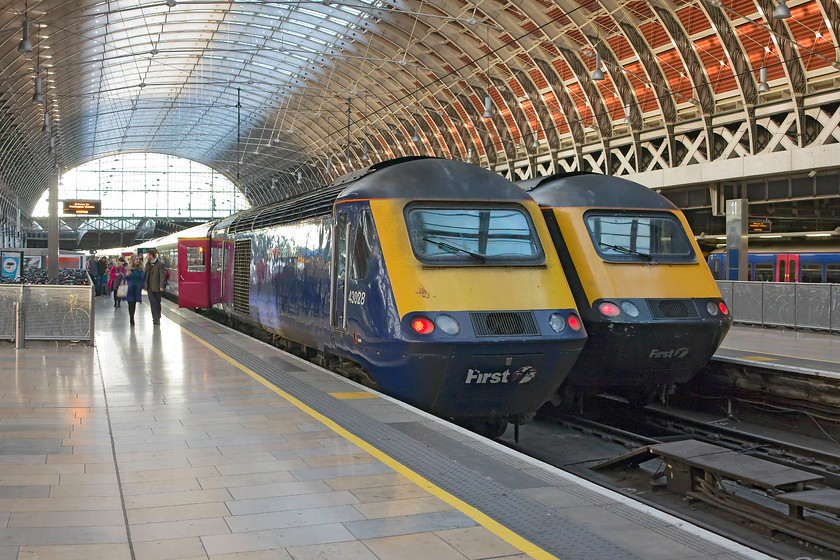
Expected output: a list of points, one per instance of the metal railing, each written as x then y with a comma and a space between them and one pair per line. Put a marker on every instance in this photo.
46, 312
783, 304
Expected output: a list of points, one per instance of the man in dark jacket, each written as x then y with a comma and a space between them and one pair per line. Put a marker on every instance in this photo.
93, 270
154, 283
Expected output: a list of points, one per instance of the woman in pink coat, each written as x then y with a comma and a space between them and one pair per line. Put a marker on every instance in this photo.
117, 277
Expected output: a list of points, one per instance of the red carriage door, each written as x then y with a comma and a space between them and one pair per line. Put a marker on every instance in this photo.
193, 272
787, 268
793, 268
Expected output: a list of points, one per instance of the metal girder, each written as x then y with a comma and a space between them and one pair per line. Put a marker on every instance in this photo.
696, 72
792, 62
543, 114
591, 92
831, 11
735, 53
664, 96
566, 105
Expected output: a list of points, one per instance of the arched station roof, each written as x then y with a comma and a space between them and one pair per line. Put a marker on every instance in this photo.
282, 96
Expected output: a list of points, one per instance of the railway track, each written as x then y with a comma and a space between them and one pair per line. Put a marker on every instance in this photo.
730, 506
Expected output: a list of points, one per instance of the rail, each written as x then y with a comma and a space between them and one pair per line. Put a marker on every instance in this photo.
46, 312
783, 304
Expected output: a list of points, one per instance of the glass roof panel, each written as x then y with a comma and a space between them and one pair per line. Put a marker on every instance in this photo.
150, 185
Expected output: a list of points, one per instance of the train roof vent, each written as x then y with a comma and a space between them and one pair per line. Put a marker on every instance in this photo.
672, 308
310, 205
503, 323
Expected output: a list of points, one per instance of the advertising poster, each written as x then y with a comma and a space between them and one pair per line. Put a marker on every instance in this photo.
11, 262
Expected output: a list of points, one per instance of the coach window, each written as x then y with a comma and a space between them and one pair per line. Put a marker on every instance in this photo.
811, 273
195, 259
832, 273
362, 246
763, 272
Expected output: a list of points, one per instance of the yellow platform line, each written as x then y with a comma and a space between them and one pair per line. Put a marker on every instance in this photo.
485, 521
354, 395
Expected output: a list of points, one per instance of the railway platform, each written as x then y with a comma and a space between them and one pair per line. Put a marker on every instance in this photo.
803, 351
188, 440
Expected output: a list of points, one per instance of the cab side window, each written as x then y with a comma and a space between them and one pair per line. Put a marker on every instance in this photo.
341, 245
362, 246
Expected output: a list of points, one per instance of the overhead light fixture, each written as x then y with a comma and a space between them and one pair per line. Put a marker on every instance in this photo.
819, 234
52, 144
300, 177
329, 166
763, 86
25, 45
488, 107
37, 97
536, 143
781, 11
627, 114
416, 137
46, 128
598, 74
365, 155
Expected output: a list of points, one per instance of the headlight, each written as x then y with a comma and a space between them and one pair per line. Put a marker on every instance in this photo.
712, 308
630, 308
557, 322
447, 324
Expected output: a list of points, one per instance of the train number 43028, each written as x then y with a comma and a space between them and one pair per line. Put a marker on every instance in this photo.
357, 298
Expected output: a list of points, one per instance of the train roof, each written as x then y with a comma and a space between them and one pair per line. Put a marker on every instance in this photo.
432, 179
419, 178
585, 189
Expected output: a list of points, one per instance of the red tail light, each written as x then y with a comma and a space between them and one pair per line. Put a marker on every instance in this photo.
723, 308
609, 309
573, 322
422, 325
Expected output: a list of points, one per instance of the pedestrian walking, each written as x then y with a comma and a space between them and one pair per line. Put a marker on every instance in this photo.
134, 277
155, 283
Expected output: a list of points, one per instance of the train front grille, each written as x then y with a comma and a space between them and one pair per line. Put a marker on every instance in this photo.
503, 323
672, 308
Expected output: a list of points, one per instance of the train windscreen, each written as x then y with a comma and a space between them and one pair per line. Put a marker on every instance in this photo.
639, 237
462, 235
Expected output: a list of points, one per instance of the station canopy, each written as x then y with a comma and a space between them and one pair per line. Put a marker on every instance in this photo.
281, 97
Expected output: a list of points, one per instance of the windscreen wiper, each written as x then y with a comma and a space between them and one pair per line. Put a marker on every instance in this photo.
445, 245
625, 250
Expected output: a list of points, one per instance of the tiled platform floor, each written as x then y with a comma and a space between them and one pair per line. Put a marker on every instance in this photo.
151, 447
147, 447
801, 351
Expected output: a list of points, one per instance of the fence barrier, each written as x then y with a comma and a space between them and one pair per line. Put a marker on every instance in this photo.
783, 304
46, 312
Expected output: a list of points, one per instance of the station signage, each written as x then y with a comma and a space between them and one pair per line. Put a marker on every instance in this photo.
82, 207
758, 226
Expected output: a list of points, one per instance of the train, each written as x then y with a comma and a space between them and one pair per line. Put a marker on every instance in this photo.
790, 262
433, 280
652, 311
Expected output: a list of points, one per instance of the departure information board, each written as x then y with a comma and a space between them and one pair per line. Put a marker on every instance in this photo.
82, 207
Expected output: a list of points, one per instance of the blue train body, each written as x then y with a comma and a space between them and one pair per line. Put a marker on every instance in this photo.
427, 275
